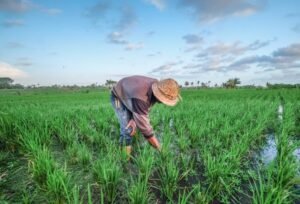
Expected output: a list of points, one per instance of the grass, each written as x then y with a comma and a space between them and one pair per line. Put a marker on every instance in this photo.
108, 174
61, 146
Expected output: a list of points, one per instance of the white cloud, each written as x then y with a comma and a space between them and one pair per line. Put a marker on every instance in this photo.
159, 4
7, 70
13, 23
214, 10
52, 11
15, 5
116, 38
235, 49
132, 46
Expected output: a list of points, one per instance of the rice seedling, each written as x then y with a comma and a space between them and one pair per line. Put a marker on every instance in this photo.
75, 195
209, 142
169, 177
139, 192
66, 134
201, 195
57, 185
90, 201
145, 162
185, 198
108, 173
79, 153
42, 165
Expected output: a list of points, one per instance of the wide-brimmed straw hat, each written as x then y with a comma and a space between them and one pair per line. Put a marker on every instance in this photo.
166, 91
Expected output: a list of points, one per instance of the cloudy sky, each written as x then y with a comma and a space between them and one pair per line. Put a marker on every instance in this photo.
62, 42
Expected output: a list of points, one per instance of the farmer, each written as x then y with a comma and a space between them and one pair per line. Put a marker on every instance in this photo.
132, 98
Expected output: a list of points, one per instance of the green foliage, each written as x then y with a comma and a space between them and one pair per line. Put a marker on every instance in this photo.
231, 83
108, 173
139, 192
64, 143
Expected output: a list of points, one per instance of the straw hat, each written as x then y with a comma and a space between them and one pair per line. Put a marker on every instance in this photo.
166, 91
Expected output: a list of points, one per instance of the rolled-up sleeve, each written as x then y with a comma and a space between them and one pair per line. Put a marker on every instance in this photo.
141, 117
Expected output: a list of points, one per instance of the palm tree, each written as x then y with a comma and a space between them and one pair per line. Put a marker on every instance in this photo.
231, 83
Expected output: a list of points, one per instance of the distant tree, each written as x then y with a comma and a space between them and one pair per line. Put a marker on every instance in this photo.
203, 85
186, 83
232, 83
5, 82
110, 83
280, 86
198, 82
17, 86
94, 85
192, 83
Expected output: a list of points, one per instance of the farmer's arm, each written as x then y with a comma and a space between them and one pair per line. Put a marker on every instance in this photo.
141, 117
143, 123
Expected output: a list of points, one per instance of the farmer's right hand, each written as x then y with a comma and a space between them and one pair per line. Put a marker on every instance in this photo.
131, 124
155, 143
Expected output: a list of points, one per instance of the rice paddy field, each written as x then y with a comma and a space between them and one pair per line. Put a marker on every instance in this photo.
61, 146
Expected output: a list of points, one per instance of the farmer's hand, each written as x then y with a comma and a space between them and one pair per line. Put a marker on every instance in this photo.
155, 143
131, 124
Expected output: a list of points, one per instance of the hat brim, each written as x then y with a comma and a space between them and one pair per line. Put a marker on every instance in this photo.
158, 94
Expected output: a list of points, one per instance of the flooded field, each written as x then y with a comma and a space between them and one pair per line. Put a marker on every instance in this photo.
218, 146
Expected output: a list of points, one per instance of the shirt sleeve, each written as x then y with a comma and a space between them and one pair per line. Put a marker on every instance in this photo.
141, 117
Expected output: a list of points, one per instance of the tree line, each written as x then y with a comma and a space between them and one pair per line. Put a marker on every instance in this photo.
8, 83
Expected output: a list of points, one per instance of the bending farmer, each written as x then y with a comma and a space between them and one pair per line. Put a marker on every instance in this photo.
132, 98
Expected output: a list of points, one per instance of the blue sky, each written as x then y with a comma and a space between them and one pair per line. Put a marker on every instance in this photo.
67, 42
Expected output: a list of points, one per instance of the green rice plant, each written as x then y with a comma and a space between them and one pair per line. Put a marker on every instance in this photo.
187, 162
41, 165
265, 189
138, 191
90, 200
67, 135
27, 198
223, 126
79, 153
183, 143
75, 199
145, 162
222, 175
275, 184
169, 177
166, 152
108, 173
58, 185
34, 129
30, 140
72, 153
185, 198
201, 195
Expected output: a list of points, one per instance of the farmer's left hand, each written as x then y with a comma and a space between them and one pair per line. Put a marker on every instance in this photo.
131, 124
